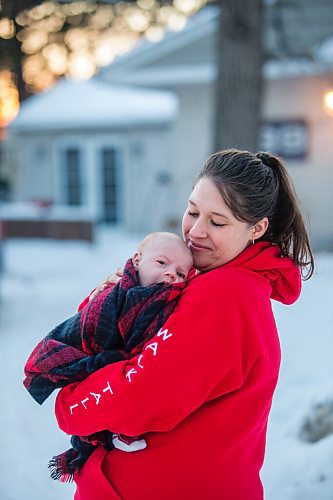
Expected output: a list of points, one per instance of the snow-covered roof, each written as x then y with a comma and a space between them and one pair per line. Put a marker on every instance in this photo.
93, 103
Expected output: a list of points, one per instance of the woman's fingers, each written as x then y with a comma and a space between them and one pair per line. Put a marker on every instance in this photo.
97, 290
111, 279
93, 294
119, 272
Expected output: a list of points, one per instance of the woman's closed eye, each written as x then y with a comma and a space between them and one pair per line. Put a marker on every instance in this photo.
216, 224
161, 261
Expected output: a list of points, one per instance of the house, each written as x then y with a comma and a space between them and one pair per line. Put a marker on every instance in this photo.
95, 151
153, 160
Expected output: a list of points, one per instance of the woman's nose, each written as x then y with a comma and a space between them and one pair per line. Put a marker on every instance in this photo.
198, 230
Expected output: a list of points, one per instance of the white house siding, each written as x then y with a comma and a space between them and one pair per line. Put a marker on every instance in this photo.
150, 180
193, 137
38, 156
302, 97
34, 177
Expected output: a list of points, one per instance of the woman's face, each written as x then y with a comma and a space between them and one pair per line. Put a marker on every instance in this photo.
210, 229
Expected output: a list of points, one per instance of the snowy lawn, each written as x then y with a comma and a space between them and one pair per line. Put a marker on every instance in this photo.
43, 284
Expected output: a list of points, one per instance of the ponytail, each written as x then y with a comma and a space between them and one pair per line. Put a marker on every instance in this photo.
287, 227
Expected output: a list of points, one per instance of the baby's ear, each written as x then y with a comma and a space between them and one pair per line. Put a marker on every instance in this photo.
136, 259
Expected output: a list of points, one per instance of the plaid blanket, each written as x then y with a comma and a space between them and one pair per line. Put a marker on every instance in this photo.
112, 327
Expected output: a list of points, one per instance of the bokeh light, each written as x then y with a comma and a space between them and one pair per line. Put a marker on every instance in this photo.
57, 58
147, 4
328, 101
75, 39
81, 65
137, 19
155, 33
34, 41
104, 54
102, 18
176, 21
188, 7
9, 98
7, 28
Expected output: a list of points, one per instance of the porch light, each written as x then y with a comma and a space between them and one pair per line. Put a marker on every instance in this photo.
328, 101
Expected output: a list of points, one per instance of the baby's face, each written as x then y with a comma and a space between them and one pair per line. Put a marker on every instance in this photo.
164, 260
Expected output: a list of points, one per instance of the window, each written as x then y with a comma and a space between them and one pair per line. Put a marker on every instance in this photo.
286, 138
110, 185
73, 181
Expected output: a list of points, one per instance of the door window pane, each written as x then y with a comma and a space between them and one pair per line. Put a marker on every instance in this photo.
73, 183
109, 179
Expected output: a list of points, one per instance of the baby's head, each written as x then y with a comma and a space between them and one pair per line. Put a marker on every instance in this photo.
162, 258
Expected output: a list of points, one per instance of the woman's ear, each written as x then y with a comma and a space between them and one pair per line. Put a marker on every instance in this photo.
136, 259
260, 228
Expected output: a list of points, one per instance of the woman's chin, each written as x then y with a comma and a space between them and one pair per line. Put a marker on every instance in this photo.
202, 264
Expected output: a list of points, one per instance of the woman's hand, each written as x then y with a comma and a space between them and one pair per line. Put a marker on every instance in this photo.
111, 279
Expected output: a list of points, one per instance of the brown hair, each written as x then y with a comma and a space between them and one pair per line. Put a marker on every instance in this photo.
256, 186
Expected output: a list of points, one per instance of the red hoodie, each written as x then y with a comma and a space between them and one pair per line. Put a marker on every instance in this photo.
200, 392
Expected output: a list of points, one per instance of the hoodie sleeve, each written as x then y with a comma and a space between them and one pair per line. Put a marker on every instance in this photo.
195, 357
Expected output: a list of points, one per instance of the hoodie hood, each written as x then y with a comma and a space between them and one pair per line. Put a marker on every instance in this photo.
282, 273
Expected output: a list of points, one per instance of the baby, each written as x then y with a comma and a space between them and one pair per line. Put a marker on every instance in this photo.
160, 258
105, 330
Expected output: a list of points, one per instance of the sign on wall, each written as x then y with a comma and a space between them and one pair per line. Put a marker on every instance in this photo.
286, 138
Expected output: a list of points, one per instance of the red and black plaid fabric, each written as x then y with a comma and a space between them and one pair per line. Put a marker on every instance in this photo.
112, 327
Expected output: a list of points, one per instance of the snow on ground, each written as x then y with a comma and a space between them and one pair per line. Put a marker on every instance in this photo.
43, 284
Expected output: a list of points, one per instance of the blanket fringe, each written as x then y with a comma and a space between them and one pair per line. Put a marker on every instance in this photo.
57, 473
63, 466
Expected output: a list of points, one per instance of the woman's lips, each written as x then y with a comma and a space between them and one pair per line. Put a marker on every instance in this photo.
196, 247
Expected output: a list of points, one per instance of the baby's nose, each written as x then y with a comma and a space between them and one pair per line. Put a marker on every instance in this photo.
171, 275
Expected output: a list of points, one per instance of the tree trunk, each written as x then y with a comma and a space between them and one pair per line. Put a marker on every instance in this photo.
239, 81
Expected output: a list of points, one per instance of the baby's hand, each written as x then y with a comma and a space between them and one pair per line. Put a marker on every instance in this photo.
111, 279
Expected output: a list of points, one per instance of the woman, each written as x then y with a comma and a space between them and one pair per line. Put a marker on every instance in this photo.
201, 390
